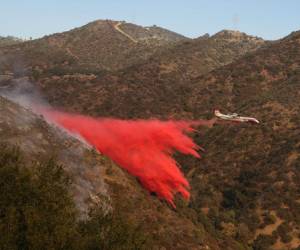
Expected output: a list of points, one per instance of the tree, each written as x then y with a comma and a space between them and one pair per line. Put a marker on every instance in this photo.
36, 210
108, 231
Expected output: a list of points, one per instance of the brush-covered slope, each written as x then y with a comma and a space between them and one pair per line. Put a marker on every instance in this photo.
97, 46
199, 56
246, 188
155, 86
97, 180
250, 184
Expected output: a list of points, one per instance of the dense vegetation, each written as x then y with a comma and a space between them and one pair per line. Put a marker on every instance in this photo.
37, 211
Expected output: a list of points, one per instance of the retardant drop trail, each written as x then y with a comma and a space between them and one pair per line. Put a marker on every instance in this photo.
143, 147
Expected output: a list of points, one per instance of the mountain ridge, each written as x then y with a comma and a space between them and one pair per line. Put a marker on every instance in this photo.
97, 46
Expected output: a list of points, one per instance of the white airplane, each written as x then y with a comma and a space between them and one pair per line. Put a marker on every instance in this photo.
234, 117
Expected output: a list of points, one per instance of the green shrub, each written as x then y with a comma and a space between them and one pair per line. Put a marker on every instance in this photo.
263, 242
110, 231
38, 212
283, 231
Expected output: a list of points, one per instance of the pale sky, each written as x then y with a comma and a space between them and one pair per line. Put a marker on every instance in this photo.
270, 19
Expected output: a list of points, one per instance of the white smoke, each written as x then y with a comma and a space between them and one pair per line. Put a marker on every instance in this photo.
24, 93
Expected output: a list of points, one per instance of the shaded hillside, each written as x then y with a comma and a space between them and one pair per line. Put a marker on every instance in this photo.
97, 46
96, 180
38, 140
156, 86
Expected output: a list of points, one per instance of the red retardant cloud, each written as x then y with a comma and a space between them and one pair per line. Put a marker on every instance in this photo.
143, 147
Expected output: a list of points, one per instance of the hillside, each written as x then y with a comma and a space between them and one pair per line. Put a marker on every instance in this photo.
96, 180
250, 181
247, 184
199, 56
102, 45
158, 80
246, 187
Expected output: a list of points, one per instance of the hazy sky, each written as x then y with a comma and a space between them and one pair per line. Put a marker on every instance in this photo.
270, 19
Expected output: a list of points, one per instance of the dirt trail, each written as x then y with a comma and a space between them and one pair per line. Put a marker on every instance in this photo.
71, 53
117, 27
269, 229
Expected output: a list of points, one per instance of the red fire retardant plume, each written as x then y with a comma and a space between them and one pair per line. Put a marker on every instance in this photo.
143, 147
